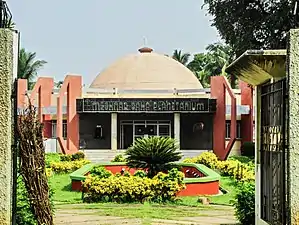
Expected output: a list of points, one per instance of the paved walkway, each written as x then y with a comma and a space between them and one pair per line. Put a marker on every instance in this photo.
74, 216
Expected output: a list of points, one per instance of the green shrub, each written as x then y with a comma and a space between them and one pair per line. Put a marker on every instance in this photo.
66, 158
74, 157
67, 167
155, 154
78, 156
52, 157
127, 189
24, 215
248, 149
208, 159
233, 168
173, 175
140, 173
245, 203
100, 172
119, 158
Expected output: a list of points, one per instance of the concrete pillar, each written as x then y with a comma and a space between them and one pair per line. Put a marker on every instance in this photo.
177, 126
114, 131
293, 80
6, 76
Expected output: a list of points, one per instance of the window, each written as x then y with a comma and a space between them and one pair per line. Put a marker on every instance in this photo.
54, 129
227, 129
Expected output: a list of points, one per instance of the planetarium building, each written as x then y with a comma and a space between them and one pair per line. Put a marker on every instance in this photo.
141, 95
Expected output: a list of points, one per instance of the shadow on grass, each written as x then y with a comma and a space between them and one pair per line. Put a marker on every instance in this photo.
67, 188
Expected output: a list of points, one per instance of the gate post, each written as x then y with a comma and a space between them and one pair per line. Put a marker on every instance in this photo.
293, 83
6, 78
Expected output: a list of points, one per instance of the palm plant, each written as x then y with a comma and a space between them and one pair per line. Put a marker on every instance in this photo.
181, 57
28, 67
154, 154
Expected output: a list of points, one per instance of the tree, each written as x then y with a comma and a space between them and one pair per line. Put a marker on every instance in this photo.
155, 154
181, 57
28, 67
58, 84
211, 63
253, 24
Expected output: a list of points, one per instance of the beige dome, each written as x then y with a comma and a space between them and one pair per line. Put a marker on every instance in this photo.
146, 70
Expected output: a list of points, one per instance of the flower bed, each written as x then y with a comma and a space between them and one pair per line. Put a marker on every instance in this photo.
199, 179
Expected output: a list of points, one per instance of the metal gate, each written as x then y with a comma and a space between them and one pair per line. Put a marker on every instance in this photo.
274, 153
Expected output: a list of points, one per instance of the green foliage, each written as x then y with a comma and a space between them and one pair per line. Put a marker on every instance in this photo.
248, 149
52, 157
212, 63
233, 168
181, 57
245, 203
173, 175
253, 24
78, 156
154, 154
100, 172
119, 158
208, 159
25, 214
74, 157
28, 66
66, 158
140, 173
128, 189
67, 167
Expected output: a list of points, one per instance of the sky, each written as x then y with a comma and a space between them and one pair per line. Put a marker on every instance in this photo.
84, 37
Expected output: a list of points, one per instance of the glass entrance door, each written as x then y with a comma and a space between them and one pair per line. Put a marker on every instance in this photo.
132, 130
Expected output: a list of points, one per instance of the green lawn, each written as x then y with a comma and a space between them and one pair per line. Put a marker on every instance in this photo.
61, 183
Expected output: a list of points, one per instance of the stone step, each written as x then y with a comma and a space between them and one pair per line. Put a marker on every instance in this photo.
97, 156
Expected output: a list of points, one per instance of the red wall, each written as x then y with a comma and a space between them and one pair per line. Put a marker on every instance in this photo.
195, 189
246, 120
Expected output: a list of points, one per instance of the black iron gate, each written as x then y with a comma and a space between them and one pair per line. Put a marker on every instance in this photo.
274, 153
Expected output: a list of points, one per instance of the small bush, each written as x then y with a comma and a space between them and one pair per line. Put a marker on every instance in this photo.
208, 159
66, 158
119, 158
245, 203
52, 157
67, 167
173, 175
78, 156
74, 157
140, 173
100, 172
248, 149
127, 189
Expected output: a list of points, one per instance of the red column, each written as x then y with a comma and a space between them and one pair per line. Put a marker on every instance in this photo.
21, 92
72, 87
246, 120
219, 86
218, 92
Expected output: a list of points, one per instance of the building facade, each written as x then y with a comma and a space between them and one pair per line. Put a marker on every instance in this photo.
141, 95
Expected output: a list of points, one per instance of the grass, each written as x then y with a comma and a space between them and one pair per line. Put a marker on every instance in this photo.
227, 183
61, 184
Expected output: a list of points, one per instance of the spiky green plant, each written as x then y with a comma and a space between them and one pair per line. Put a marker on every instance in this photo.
153, 154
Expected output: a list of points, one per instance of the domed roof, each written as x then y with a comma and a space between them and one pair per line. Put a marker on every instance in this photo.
146, 70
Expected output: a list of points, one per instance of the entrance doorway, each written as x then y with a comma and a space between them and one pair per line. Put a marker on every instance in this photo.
134, 129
